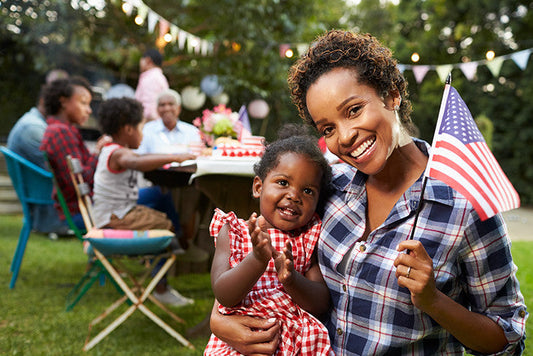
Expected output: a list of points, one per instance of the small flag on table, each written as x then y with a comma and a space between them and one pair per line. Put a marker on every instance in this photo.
461, 158
244, 123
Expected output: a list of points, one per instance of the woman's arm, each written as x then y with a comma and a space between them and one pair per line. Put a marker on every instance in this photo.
310, 291
474, 330
231, 285
246, 334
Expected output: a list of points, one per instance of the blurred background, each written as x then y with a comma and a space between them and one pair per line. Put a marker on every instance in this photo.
237, 52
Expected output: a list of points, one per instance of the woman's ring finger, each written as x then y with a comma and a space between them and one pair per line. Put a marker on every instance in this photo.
408, 272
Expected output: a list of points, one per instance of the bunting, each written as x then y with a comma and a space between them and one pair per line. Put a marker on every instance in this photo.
469, 69
186, 41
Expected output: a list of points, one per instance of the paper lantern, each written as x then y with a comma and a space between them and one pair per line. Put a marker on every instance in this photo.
210, 86
221, 98
258, 109
192, 98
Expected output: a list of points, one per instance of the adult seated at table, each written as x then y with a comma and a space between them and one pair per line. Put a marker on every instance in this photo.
168, 134
24, 139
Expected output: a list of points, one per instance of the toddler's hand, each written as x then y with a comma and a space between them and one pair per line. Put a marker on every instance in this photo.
285, 264
261, 242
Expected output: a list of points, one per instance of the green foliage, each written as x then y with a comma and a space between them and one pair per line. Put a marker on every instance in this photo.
106, 44
486, 127
451, 32
33, 320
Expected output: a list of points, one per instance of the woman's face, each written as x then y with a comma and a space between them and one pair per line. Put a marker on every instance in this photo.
359, 126
289, 194
77, 108
168, 110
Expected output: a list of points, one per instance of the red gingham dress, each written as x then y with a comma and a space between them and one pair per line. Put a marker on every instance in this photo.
301, 333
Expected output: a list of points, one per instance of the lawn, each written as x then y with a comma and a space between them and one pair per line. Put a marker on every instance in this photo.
33, 320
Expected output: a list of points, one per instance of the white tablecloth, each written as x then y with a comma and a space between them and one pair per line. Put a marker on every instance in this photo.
236, 167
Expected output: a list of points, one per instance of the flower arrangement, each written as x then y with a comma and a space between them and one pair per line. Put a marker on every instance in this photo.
221, 121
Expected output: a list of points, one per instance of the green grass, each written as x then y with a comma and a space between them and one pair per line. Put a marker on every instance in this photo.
33, 320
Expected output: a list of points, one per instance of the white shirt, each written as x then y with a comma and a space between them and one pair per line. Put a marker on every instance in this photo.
158, 139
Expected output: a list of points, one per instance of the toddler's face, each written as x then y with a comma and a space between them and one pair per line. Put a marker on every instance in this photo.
289, 193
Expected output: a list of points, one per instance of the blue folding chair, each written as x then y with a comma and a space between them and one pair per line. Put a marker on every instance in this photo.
33, 185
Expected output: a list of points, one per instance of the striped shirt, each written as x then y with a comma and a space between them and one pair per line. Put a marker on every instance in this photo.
472, 264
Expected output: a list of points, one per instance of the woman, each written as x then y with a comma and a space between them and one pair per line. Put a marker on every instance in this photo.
451, 287
68, 105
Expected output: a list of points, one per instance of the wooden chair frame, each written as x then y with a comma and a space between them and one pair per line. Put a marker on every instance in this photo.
135, 292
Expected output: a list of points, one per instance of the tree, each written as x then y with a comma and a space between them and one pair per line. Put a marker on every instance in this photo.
99, 41
445, 32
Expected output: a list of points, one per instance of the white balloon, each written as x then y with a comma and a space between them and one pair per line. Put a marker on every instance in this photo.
258, 108
221, 98
192, 98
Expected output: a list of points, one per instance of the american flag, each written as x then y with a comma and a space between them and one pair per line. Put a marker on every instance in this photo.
461, 158
243, 124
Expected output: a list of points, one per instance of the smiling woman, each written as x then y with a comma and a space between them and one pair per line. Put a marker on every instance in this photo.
442, 291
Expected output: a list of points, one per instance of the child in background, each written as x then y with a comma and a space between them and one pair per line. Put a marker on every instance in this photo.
267, 266
115, 180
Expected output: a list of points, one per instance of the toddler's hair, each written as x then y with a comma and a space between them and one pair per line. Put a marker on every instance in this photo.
294, 138
118, 112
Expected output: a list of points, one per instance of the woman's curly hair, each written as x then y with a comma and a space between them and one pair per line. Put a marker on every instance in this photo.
371, 62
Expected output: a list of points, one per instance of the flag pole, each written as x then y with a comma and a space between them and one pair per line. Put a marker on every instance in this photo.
426, 173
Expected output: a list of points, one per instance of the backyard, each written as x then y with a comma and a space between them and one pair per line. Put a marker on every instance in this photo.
33, 320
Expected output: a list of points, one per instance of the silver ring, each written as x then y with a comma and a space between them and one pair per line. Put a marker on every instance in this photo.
408, 272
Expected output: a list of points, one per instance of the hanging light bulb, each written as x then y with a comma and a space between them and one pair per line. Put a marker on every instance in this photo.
490, 55
415, 57
289, 53
139, 20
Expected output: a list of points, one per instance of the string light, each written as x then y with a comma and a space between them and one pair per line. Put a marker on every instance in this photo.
139, 20
289, 53
490, 55
415, 57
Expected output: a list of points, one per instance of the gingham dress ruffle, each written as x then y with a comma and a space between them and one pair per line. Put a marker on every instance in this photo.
301, 333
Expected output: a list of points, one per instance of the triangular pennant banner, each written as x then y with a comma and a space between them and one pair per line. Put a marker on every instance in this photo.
142, 11
182, 37
521, 58
443, 71
495, 66
401, 67
420, 72
152, 20
174, 31
469, 69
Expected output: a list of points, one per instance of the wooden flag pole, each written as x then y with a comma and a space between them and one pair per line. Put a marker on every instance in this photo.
419, 207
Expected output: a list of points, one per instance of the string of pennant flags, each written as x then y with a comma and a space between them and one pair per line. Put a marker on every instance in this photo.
184, 39
469, 69
199, 46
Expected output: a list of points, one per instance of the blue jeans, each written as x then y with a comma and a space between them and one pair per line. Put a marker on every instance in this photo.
154, 198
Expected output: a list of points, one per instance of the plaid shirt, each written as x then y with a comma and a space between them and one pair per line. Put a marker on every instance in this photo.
472, 261
61, 139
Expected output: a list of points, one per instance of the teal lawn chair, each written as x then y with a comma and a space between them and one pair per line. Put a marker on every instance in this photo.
95, 271
33, 185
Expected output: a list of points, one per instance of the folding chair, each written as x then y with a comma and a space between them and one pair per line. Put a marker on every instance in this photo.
33, 185
95, 271
111, 247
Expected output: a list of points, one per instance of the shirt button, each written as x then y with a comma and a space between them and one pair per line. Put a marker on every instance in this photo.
522, 313
362, 248
339, 331
344, 287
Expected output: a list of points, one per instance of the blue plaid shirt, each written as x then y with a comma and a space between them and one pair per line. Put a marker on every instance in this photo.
472, 261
